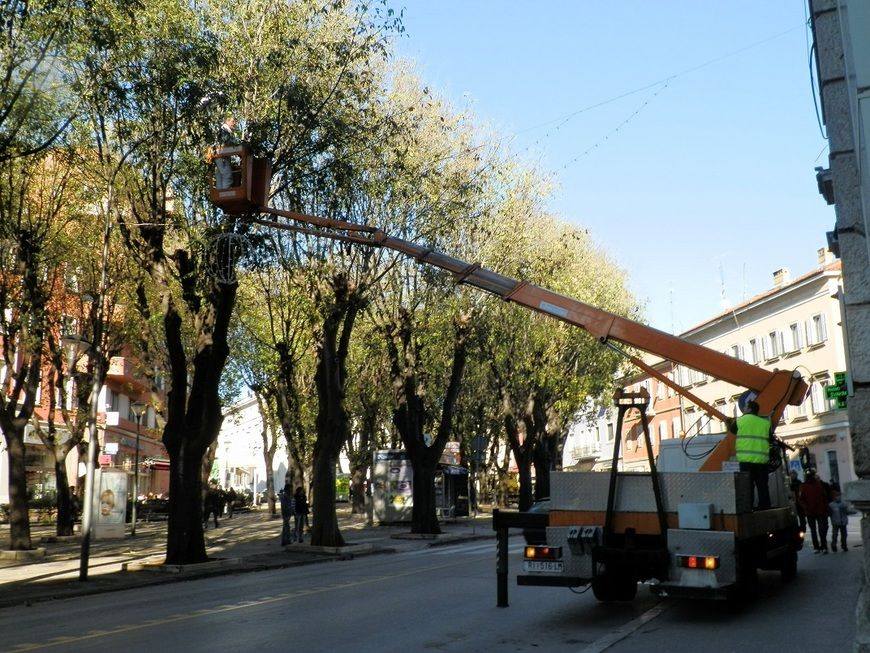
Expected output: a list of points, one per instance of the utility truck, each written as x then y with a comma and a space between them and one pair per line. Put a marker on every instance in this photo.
686, 526
688, 530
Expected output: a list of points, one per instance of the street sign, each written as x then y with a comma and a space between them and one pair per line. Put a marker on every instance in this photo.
839, 390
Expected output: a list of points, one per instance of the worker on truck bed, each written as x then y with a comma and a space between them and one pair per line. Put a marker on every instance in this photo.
753, 450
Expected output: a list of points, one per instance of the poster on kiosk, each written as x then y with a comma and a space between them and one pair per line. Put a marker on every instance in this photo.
110, 503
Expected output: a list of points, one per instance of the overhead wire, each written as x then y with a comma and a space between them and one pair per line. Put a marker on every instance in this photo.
662, 83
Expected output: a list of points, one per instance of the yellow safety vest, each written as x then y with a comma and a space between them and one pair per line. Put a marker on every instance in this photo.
753, 439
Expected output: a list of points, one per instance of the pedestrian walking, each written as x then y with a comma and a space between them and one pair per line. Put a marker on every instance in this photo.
795, 491
301, 512
285, 497
231, 500
211, 505
814, 502
839, 520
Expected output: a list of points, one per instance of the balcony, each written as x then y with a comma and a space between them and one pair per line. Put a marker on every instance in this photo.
125, 371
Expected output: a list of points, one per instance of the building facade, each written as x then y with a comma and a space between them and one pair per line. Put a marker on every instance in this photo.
239, 461
116, 431
842, 57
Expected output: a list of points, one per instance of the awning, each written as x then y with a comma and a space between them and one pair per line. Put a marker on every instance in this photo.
159, 464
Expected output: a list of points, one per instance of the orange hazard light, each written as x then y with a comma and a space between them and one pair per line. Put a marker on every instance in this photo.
543, 552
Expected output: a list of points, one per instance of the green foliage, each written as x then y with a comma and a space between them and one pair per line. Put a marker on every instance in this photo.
352, 134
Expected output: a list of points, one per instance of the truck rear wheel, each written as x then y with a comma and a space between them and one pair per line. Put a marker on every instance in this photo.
789, 566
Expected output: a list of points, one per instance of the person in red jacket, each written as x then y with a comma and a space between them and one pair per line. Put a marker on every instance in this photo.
813, 499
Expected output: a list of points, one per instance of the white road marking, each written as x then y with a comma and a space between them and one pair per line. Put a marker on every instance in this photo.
604, 643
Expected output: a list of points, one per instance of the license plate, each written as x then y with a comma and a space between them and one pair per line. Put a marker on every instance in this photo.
552, 566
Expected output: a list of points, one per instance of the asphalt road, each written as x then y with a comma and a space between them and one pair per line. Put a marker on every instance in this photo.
436, 599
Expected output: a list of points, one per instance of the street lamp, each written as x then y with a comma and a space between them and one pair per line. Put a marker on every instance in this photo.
75, 346
138, 409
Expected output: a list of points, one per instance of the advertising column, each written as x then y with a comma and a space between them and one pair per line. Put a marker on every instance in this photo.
110, 503
393, 491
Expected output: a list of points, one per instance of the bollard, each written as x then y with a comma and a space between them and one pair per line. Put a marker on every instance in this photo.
501, 561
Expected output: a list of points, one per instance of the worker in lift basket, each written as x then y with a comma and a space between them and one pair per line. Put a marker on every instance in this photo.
753, 450
226, 136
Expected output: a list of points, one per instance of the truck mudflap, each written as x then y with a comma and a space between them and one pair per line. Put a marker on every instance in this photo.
551, 581
676, 591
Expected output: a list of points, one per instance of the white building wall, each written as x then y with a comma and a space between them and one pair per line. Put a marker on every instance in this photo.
763, 330
239, 456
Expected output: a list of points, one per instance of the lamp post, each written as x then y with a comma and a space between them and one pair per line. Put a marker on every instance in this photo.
138, 409
92, 350
97, 354
75, 346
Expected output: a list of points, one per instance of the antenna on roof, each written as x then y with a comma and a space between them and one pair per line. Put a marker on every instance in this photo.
723, 298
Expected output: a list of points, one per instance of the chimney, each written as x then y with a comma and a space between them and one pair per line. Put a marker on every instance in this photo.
781, 277
825, 256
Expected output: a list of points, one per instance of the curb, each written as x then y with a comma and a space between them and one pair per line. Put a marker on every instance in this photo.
29, 554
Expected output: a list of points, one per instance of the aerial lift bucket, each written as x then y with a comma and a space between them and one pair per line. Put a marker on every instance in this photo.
239, 182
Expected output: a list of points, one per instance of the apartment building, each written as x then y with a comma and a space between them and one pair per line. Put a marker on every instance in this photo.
794, 325
116, 431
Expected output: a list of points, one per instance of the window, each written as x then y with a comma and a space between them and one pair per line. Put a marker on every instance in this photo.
675, 428
610, 431
65, 396
663, 431
817, 398
797, 412
755, 350
796, 340
817, 330
774, 345
113, 400
737, 352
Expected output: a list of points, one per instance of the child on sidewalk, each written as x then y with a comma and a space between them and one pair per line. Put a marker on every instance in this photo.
839, 519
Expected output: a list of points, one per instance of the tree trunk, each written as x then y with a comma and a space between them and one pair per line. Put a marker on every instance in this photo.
330, 379
524, 469
543, 460
324, 521
194, 414
269, 458
185, 542
65, 516
19, 515
425, 515
358, 490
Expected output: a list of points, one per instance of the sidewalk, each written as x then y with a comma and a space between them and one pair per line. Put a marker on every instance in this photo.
250, 541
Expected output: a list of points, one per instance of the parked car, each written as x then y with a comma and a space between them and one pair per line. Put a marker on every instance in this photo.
537, 535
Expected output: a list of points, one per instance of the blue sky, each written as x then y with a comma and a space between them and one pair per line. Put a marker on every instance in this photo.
683, 134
